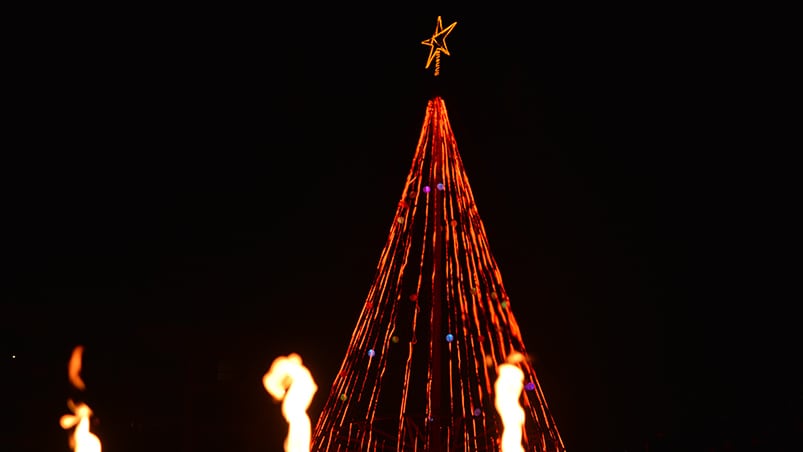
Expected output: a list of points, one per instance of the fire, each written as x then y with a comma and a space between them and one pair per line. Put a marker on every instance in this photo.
74, 368
508, 386
289, 381
82, 440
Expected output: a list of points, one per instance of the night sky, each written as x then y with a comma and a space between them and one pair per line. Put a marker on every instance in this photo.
190, 194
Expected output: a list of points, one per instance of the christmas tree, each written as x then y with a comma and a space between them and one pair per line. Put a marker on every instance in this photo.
420, 367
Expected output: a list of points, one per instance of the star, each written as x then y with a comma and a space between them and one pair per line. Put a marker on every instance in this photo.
437, 43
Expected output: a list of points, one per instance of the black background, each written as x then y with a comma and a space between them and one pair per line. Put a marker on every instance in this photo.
190, 193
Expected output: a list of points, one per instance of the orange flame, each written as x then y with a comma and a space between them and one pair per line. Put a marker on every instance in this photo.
74, 368
288, 380
508, 386
82, 440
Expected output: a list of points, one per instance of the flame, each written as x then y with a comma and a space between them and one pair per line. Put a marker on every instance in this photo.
82, 440
508, 386
74, 368
288, 380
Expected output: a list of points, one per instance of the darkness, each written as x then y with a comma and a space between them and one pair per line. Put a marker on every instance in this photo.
192, 193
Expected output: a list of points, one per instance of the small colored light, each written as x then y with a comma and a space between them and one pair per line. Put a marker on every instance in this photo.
454, 223
400, 220
343, 397
426, 188
440, 186
371, 353
449, 337
395, 339
504, 304
494, 296
529, 386
477, 412
414, 297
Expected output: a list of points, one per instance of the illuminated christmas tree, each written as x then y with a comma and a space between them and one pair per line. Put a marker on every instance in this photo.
421, 364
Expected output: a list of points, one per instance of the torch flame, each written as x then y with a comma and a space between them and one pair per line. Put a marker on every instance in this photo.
288, 380
508, 386
82, 440
74, 368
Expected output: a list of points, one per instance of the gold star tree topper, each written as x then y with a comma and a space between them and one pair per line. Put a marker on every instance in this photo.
437, 44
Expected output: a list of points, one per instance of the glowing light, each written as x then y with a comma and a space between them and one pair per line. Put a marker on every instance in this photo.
371, 353
477, 412
13, 356
74, 368
437, 44
395, 339
426, 188
530, 386
82, 440
423, 253
449, 337
440, 186
507, 388
289, 381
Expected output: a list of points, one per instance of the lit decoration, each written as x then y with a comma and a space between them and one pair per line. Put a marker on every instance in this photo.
508, 386
426, 188
437, 44
289, 381
529, 386
449, 337
440, 186
433, 277
82, 440
371, 353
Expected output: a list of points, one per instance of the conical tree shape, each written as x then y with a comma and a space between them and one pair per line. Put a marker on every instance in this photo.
420, 368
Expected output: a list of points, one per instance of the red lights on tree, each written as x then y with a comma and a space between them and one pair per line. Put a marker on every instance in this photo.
420, 367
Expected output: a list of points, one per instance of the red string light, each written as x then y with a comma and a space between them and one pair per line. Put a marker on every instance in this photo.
384, 396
